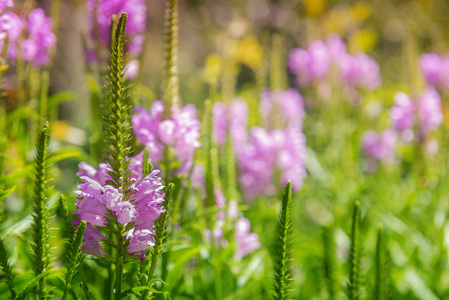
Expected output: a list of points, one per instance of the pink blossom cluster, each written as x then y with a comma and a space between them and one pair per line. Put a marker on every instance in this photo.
246, 241
435, 70
423, 113
313, 65
412, 118
99, 18
99, 202
180, 132
30, 39
264, 153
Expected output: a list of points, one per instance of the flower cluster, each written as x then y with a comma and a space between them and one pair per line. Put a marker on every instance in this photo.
263, 154
38, 33
379, 147
313, 65
180, 132
435, 70
424, 112
246, 241
413, 118
99, 18
99, 202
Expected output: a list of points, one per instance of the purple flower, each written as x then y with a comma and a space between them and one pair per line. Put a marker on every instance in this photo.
435, 69
359, 71
336, 47
39, 39
289, 104
132, 69
233, 118
98, 201
425, 111
403, 112
40, 36
99, 18
310, 65
429, 110
5, 3
247, 242
181, 132
380, 147
220, 121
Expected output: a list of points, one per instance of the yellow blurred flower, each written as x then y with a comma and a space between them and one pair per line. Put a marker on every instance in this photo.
212, 68
62, 131
249, 51
314, 7
362, 40
360, 12
346, 18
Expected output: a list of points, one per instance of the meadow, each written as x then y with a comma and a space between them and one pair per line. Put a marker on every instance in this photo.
260, 149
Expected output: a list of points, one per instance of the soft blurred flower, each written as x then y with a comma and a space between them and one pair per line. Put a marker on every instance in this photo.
98, 201
132, 69
247, 241
380, 147
99, 18
289, 104
311, 65
402, 113
359, 71
212, 68
181, 132
425, 111
435, 70
249, 51
5, 3
38, 36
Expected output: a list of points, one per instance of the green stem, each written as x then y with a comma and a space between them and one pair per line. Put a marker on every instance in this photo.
119, 265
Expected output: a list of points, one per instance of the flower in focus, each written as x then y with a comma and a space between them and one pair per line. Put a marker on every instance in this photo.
99, 18
98, 203
181, 132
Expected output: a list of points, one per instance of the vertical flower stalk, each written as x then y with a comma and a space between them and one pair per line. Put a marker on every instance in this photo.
354, 287
171, 83
282, 246
40, 226
119, 129
381, 287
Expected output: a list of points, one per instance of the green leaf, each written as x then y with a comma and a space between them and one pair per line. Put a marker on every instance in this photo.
22, 294
282, 248
354, 287
175, 274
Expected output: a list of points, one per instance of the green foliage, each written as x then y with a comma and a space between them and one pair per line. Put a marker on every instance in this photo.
40, 226
74, 256
67, 227
330, 264
354, 287
159, 239
6, 268
382, 279
282, 248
